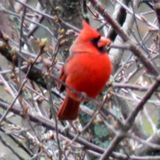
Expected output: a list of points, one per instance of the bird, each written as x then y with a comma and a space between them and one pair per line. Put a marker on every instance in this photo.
86, 70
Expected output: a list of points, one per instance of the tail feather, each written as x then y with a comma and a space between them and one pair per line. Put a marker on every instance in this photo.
69, 109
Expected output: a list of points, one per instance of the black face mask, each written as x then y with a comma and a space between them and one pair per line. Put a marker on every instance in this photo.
95, 41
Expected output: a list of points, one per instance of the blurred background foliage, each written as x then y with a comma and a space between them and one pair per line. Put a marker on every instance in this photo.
28, 25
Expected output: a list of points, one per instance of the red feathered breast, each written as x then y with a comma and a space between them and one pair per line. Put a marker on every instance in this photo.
87, 72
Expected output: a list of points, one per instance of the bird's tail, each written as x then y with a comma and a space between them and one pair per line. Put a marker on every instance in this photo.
69, 109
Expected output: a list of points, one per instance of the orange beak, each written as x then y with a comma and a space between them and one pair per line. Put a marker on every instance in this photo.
103, 42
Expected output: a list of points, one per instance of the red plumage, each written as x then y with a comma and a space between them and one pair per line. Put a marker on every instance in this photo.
86, 70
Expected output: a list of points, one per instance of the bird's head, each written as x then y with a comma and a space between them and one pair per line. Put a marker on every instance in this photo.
89, 34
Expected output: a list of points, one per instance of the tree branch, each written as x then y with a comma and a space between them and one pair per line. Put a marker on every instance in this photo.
135, 49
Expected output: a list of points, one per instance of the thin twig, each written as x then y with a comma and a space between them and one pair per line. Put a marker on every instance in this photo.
22, 85
130, 120
49, 124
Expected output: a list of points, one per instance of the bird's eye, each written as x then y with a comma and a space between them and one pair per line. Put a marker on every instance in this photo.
94, 41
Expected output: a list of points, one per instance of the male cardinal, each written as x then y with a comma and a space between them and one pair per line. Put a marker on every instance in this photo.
87, 70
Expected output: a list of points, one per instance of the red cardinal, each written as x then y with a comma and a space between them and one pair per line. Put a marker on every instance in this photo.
87, 70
